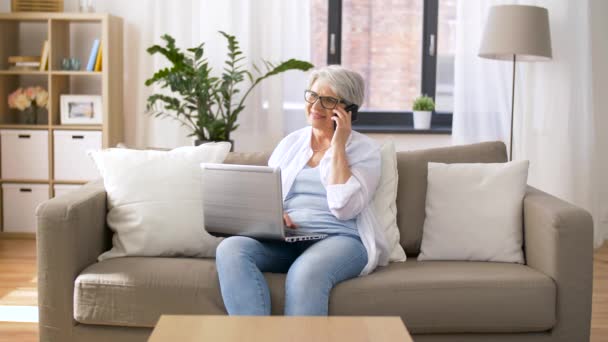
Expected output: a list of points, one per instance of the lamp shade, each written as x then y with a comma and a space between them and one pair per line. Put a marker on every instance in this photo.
517, 30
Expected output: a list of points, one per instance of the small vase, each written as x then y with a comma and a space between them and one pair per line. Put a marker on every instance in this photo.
29, 116
198, 142
86, 6
42, 116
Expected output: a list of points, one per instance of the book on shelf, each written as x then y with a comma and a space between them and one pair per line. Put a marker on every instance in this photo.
28, 64
23, 63
22, 68
21, 59
98, 59
93, 55
44, 59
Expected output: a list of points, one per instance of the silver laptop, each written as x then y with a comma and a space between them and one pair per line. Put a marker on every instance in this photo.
246, 200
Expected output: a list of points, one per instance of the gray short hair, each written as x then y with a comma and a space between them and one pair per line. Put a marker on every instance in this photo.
347, 84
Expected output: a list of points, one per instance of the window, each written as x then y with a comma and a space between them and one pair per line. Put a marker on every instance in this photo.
403, 48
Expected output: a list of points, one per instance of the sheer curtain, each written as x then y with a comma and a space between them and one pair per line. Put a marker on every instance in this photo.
556, 125
482, 87
272, 29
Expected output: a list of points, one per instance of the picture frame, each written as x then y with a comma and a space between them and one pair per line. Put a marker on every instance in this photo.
81, 109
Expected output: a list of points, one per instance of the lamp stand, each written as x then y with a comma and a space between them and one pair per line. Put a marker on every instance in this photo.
512, 110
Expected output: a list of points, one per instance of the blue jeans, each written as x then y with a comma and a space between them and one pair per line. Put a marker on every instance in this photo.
312, 267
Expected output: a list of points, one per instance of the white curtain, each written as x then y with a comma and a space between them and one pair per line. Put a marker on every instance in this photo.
482, 88
556, 125
265, 30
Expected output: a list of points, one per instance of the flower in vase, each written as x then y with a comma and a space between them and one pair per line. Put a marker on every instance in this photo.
22, 101
12, 99
21, 98
30, 92
42, 98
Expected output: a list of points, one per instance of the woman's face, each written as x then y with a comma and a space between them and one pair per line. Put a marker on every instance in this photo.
316, 115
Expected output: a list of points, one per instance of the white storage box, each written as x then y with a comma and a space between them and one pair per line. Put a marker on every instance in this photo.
25, 154
20, 202
61, 189
71, 159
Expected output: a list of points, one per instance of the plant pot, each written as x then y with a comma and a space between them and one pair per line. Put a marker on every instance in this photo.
422, 119
200, 142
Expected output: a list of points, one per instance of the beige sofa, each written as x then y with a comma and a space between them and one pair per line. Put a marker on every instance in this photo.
548, 299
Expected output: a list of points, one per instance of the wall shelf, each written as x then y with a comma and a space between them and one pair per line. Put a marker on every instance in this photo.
19, 126
69, 35
77, 73
67, 182
77, 127
23, 72
29, 181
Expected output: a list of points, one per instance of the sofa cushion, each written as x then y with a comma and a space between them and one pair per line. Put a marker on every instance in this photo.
487, 224
431, 296
135, 291
154, 200
411, 193
453, 297
384, 201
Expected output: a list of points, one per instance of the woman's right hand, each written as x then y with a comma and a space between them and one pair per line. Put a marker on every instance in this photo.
288, 222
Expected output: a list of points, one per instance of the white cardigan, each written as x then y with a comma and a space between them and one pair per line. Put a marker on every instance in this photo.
346, 201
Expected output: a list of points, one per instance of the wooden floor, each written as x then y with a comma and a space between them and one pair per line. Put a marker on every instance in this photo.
599, 315
18, 290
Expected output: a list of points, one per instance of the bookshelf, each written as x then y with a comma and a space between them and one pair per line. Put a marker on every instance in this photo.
69, 35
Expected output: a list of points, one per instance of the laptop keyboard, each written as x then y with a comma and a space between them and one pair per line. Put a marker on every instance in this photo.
294, 232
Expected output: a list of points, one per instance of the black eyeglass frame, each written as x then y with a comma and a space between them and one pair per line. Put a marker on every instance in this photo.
319, 97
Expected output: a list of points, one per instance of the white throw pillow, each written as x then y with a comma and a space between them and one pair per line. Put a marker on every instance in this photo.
474, 212
155, 200
384, 201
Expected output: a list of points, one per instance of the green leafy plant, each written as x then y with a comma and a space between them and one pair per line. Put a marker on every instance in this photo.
204, 103
424, 104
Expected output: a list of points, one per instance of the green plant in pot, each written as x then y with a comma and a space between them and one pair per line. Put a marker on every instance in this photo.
423, 109
208, 105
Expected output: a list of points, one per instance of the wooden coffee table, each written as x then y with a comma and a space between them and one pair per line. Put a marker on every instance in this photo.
279, 328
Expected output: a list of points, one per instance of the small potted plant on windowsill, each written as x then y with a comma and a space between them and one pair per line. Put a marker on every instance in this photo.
423, 110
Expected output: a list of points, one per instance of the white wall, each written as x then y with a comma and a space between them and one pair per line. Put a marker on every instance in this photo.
407, 142
599, 60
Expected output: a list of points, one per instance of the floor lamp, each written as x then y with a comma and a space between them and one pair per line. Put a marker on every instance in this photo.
516, 33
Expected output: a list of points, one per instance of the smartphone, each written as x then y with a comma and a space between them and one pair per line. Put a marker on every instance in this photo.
353, 108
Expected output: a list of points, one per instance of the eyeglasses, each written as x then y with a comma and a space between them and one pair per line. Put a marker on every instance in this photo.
327, 102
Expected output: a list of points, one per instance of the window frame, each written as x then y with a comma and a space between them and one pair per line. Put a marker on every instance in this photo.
395, 121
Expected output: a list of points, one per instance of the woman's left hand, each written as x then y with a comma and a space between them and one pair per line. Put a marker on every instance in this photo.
343, 127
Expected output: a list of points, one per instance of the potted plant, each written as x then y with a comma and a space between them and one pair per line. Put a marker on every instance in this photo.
423, 109
207, 104
31, 101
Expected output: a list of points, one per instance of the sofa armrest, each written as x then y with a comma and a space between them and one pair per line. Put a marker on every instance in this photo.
71, 233
559, 243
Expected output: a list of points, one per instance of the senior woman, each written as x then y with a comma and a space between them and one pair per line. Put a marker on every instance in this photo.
329, 176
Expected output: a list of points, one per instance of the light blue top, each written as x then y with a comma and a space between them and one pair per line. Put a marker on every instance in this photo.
306, 205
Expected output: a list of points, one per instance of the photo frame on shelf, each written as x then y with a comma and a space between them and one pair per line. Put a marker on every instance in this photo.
81, 110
